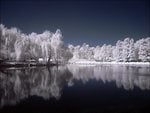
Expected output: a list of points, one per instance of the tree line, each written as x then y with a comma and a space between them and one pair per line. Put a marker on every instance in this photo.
18, 46
124, 51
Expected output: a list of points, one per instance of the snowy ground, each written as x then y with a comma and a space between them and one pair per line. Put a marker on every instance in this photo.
92, 62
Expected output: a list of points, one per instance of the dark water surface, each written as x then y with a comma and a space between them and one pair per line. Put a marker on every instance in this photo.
76, 89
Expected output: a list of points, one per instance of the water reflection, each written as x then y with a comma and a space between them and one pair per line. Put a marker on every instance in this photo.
18, 84
127, 77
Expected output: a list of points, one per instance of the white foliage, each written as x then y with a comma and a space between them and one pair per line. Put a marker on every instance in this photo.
144, 49
47, 45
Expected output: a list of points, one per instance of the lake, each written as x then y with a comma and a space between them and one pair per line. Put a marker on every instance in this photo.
76, 89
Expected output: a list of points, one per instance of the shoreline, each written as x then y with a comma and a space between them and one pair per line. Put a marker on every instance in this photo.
24, 64
100, 63
77, 62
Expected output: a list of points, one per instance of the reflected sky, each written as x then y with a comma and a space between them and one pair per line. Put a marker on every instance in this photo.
19, 84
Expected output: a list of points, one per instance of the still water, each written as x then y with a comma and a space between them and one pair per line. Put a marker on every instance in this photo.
76, 88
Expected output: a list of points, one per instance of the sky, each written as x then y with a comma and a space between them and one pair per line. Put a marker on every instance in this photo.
81, 21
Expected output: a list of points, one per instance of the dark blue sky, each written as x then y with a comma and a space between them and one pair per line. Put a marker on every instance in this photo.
90, 21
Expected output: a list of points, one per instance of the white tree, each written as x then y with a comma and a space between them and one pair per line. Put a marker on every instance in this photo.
57, 44
9, 38
45, 38
126, 46
103, 55
85, 52
2, 41
15, 45
118, 51
109, 53
40, 45
91, 53
132, 51
148, 48
97, 53
143, 53
34, 46
18, 46
75, 51
65, 54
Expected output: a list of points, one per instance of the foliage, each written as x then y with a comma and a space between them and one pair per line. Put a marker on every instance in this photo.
15, 45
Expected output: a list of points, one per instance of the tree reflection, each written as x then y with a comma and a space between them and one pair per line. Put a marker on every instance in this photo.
21, 83
17, 84
127, 77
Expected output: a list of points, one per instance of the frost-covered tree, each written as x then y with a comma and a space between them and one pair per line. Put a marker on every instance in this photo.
8, 38
109, 53
65, 54
75, 51
128, 50
2, 41
132, 51
15, 45
125, 51
102, 55
18, 46
91, 53
105, 53
40, 45
82, 52
86, 52
97, 53
148, 48
143, 49
118, 51
57, 44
